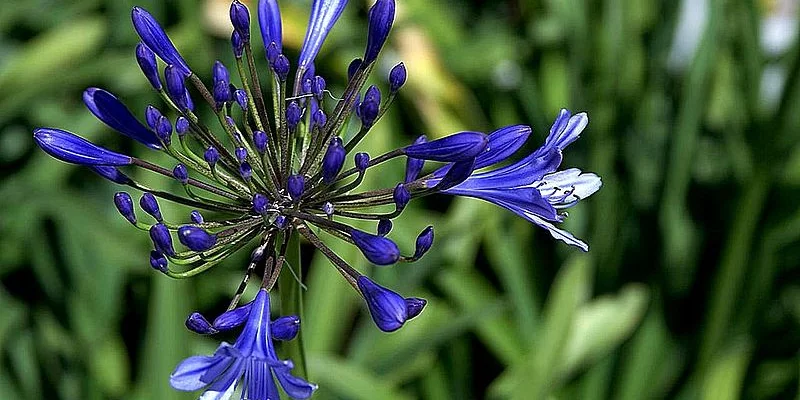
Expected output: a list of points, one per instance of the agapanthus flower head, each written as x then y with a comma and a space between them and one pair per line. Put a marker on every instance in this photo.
271, 171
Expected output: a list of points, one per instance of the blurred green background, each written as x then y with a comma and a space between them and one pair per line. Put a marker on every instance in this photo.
691, 288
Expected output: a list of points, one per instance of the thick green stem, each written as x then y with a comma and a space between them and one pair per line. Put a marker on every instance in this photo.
292, 303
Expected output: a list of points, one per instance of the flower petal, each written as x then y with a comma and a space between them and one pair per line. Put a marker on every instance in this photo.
188, 374
296, 388
564, 189
324, 14
107, 108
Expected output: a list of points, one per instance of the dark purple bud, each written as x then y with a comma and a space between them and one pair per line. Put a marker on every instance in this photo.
158, 261
307, 85
260, 203
281, 67
381, 17
233, 318
162, 240
320, 119
112, 174
377, 249
295, 185
151, 116
269, 19
272, 53
188, 99
384, 227
414, 165
387, 308
260, 140
401, 196
237, 44
230, 122
221, 73
241, 154
181, 173
333, 160
74, 149
353, 67
245, 170
241, 98
362, 161
414, 306
124, 205
456, 147
197, 323
397, 77
424, 242
240, 18
164, 130
211, 156
222, 93
327, 208
458, 172
196, 217
153, 35
149, 204
318, 87
370, 106
181, 126
196, 239
176, 87
280, 222
107, 108
147, 62
285, 328
293, 115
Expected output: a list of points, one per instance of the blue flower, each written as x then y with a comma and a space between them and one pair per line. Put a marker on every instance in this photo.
251, 360
531, 187
288, 171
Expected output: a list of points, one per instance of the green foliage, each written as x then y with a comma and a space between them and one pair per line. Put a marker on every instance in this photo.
689, 291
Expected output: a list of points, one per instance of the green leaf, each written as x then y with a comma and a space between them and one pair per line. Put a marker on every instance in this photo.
348, 381
535, 374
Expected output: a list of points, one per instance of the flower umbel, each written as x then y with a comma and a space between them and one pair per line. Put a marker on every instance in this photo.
274, 171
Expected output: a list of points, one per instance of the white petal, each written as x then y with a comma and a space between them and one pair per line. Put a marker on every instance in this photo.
565, 188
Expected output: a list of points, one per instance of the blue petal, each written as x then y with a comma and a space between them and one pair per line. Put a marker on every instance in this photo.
153, 35
518, 200
522, 173
459, 146
565, 131
502, 144
255, 334
112, 174
324, 14
457, 173
269, 20
68, 147
189, 373
557, 233
387, 308
296, 388
233, 318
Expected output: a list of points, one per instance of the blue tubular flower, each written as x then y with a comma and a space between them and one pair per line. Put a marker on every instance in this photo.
147, 62
74, 149
153, 35
459, 146
381, 16
240, 18
530, 187
333, 160
251, 359
195, 238
388, 309
124, 205
377, 249
269, 20
324, 14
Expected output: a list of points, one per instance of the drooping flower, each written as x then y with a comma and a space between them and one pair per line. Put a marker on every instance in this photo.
250, 363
